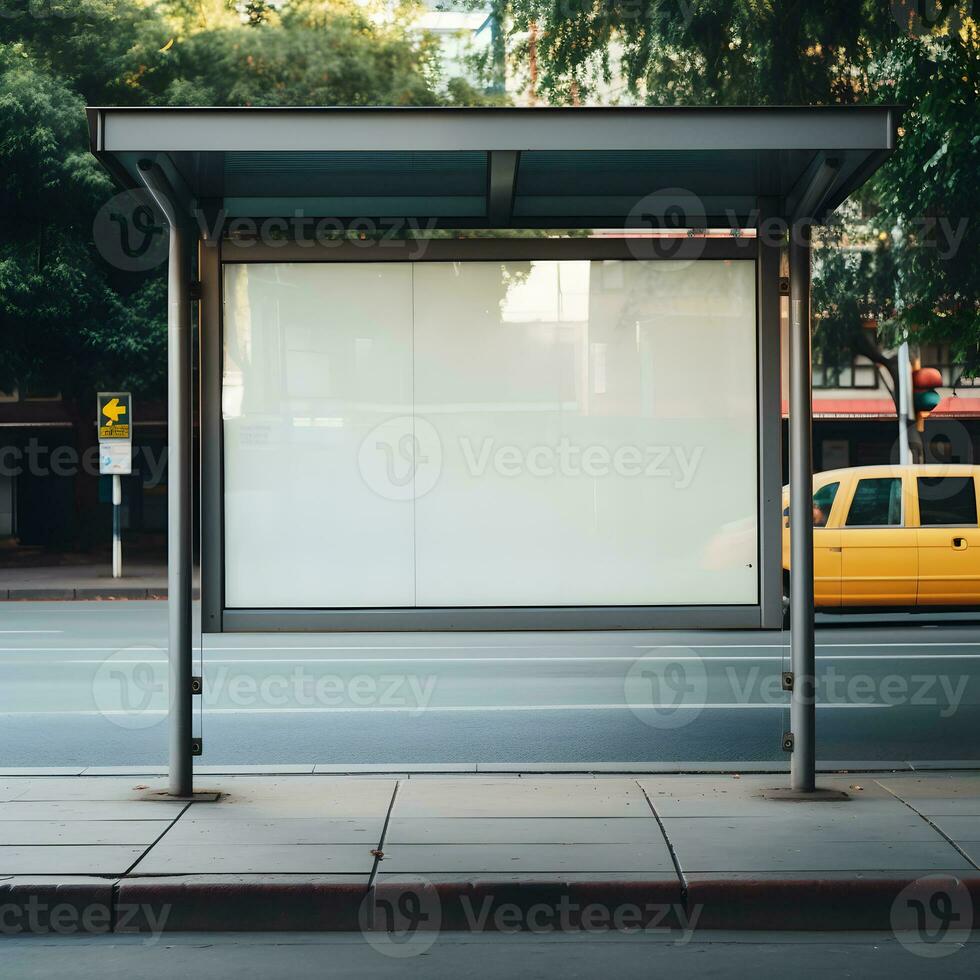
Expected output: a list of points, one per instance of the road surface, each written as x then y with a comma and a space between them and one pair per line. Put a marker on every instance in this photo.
84, 684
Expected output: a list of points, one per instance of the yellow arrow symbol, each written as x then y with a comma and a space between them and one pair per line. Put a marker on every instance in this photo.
112, 410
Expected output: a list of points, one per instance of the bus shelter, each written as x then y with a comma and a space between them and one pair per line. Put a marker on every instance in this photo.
490, 369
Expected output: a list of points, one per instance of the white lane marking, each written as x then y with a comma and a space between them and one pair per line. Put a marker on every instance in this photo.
31, 631
455, 708
925, 644
209, 661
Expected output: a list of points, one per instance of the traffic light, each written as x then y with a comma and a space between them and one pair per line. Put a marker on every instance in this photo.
924, 396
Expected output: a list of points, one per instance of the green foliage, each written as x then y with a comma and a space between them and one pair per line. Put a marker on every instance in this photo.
68, 319
923, 281
927, 192
66, 323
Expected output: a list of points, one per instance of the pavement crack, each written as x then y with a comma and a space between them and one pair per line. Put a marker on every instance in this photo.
378, 852
670, 847
939, 830
166, 830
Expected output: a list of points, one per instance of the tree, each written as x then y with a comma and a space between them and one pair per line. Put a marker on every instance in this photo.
910, 256
71, 320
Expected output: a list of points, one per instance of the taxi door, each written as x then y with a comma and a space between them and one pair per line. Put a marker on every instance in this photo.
949, 540
879, 548
826, 544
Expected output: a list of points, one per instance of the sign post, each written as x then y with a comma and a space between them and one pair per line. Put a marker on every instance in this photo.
115, 419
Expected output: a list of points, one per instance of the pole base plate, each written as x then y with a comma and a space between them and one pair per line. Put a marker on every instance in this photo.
817, 795
199, 796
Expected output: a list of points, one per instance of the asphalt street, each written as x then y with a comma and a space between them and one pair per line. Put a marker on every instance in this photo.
297, 955
84, 684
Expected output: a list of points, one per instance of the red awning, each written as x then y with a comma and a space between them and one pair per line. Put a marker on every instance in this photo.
883, 408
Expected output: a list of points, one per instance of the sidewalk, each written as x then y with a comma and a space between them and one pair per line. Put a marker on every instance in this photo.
141, 580
474, 852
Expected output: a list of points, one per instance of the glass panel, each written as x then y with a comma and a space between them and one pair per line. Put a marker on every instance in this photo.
877, 502
947, 500
316, 358
490, 434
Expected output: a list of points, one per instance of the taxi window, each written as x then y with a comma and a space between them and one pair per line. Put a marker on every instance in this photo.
947, 500
877, 503
823, 501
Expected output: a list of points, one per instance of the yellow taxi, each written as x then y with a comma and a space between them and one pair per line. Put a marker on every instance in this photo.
894, 536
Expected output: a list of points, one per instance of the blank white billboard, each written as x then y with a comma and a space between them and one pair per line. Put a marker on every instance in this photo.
448, 434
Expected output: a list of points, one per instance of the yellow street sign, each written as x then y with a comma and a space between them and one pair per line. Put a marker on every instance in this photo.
115, 415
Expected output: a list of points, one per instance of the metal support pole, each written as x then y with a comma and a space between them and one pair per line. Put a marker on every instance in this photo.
803, 700
904, 400
179, 486
116, 526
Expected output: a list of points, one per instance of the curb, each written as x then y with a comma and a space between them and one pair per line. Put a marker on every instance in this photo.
88, 594
842, 904
475, 904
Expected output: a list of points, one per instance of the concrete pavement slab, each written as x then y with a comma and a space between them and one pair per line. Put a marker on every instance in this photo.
794, 825
513, 797
42, 771
81, 859
300, 859
245, 797
89, 810
965, 827
722, 850
934, 784
522, 830
45, 788
62, 832
652, 857
285, 830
